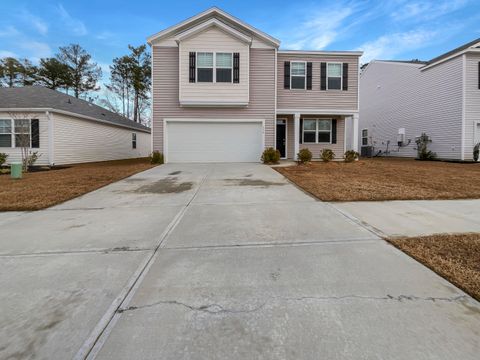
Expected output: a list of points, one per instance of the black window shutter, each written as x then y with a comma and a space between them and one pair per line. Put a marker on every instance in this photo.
300, 128
345, 76
192, 67
323, 76
334, 131
309, 76
286, 75
236, 68
35, 131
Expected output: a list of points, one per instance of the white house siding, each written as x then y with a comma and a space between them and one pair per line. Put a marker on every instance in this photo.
472, 103
78, 141
316, 98
165, 95
400, 95
213, 40
14, 154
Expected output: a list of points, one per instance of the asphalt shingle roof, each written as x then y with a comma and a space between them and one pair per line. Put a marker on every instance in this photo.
39, 97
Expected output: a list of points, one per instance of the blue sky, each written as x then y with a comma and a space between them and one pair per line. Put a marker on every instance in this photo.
396, 29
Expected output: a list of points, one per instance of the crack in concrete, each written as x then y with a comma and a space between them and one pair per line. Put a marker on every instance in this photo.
216, 309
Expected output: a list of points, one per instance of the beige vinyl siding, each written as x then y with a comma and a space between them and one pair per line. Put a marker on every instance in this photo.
400, 95
316, 98
78, 141
166, 103
14, 154
213, 40
472, 102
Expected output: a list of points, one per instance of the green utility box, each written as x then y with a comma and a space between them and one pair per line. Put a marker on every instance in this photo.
16, 170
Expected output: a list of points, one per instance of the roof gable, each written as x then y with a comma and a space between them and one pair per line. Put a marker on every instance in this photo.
221, 17
212, 23
471, 46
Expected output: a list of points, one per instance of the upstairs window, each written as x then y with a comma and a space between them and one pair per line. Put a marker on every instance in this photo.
134, 141
297, 75
5, 133
205, 67
223, 67
334, 76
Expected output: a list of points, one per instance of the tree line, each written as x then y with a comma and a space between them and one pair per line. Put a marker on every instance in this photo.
72, 70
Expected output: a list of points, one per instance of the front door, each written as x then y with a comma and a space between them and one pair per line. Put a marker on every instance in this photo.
282, 138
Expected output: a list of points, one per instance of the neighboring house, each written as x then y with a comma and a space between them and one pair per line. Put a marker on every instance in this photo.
222, 92
64, 129
401, 100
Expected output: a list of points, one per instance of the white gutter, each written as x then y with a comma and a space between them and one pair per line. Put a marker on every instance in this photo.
74, 115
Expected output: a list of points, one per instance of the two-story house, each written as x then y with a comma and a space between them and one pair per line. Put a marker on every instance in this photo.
400, 100
223, 92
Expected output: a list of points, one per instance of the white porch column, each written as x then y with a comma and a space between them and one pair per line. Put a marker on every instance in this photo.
296, 135
355, 132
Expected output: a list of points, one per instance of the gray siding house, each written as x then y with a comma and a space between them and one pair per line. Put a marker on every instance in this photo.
65, 130
401, 100
223, 91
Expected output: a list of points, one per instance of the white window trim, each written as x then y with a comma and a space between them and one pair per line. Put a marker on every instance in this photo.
214, 67
316, 131
304, 76
11, 133
14, 133
364, 137
341, 75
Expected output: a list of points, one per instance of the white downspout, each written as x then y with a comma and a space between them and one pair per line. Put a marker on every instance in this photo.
355, 132
51, 155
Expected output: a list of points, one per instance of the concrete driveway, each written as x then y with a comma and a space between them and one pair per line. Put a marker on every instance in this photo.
214, 262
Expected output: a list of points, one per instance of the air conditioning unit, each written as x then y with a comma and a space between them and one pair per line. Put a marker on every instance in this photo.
401, 136
366, 151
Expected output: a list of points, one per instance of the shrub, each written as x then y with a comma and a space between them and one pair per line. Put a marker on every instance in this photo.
3, 158
350, 156
476, 151
422, 148
270, 156
31, 159
156, 157
304, 156
327, 155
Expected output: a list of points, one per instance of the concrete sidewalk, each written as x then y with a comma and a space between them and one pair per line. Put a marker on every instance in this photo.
416, 218
217, 261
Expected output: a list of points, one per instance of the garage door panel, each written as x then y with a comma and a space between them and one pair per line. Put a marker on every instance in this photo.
201, 141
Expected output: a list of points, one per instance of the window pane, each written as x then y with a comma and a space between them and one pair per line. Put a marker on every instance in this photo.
324, 124
309, 125
298, 68
364, 132
334, 83
224, 60
5, 126
298, 82
364, 141
224, 75
205, 75
334, 70
309, 137
22, 126
324, 137
22, 140
5, 141
204, 59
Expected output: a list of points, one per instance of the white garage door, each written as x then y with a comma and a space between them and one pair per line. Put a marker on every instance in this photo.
203, 141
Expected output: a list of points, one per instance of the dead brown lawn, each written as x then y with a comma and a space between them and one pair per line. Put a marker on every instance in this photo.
39, 190
386, 179
454, 257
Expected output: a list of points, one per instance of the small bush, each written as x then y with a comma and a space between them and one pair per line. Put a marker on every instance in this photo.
30, 160
327, 155
422, 148
476, 151
350, 156
304, 156
156, 157
3, 158
270, 156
